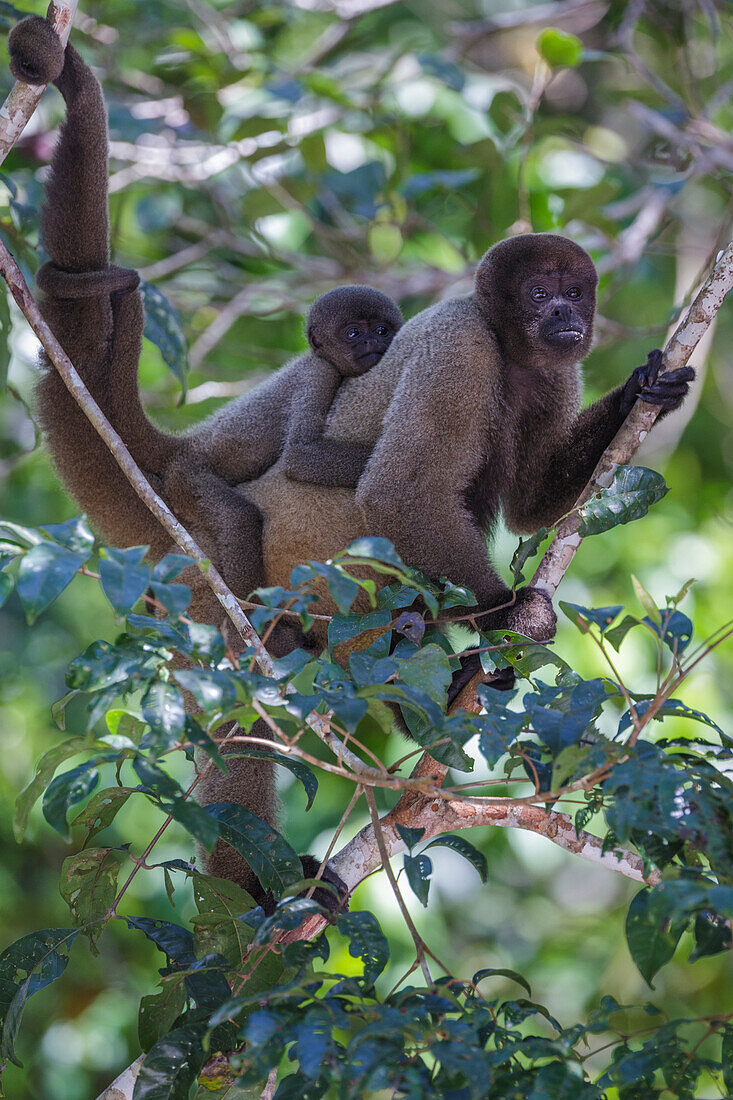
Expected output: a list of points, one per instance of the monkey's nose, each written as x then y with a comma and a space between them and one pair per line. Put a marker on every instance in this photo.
563, 312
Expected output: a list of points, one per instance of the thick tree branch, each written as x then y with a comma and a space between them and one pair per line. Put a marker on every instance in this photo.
24, 98
638, 423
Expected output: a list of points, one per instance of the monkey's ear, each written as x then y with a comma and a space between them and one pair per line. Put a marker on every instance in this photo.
310, 333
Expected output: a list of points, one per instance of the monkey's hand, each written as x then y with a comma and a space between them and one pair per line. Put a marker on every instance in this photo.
667, 390
531, 614
36, 52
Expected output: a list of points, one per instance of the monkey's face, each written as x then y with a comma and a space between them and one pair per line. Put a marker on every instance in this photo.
361, 344
558, 308
538, 293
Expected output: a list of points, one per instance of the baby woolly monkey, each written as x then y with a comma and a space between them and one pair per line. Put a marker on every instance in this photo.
349, 329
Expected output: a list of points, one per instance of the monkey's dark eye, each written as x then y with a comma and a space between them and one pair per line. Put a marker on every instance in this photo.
382, 330
353, 333
574, 292
538, 293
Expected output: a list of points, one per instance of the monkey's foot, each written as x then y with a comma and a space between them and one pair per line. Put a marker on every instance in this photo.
57, 283
531, 614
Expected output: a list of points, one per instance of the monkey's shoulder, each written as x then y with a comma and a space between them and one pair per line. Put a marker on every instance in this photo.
446, 335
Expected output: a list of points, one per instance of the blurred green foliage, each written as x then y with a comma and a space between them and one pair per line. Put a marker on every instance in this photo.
283, 148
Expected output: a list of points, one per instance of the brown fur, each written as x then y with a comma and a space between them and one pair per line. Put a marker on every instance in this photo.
463, 416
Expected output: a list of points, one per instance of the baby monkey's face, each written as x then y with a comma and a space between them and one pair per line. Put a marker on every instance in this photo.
363, 342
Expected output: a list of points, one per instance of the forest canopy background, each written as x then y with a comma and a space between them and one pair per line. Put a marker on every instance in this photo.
263, 153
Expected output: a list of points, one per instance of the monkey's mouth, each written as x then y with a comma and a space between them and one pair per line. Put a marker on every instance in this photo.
564, 337
368, 360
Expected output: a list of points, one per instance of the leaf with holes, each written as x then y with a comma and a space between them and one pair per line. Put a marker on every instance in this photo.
629, 496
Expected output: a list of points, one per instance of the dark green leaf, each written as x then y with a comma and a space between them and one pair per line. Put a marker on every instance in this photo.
410, 836
171, 1066
366, 941
651, 934
300, 770
464, 848
164, 328
65, 791
101, 810
31, 964
124, 577
163, 710
44, 572
418, 870
275, 863
630, 496
491, 971
601, 617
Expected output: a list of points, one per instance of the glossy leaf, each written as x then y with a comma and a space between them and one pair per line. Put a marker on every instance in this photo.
630, 496
43, 574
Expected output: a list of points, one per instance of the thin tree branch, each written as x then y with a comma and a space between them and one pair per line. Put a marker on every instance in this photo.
24, 98
638, 423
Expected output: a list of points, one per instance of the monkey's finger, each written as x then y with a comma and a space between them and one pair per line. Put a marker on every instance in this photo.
668, 400
678, 389
681, 374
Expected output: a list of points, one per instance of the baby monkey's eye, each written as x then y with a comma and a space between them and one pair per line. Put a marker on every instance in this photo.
538, 293
382, 330
574, 292
353, 332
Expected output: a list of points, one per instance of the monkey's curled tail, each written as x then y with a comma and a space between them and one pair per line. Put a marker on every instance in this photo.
91, 305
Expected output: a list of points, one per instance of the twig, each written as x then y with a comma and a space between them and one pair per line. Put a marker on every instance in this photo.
24, 98
638, 423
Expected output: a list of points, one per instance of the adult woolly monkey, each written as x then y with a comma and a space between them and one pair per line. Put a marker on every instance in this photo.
473, 408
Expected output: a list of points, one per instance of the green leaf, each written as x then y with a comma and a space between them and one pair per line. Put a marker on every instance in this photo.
647, 602
631, 494
65, 791
45, 770
650, 933
418, 870
366, 941
101, 810
297, 768
164, 328
172, 1065
124, 578
75, 534
601, 617
464, 848
526, 549
410, 836
162, 708
428, 669
493, 971
213, 690
275, 863
42, 957
159, 1011
88, 885
43, 574
559, 49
